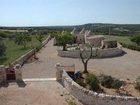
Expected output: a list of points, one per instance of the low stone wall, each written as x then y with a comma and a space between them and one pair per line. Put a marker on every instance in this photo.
3, 74
101, 53
26, 56
88, 97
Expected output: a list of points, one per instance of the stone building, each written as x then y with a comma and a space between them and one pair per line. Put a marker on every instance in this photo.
85, 36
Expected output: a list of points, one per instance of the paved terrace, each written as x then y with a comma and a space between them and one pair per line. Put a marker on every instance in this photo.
36, 93
124, 67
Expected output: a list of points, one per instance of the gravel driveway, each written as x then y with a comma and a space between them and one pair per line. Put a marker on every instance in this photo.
124, 67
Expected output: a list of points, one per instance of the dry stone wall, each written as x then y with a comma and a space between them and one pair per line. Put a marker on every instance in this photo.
24, 57
3, 75
18, 63
101, 53
88, 97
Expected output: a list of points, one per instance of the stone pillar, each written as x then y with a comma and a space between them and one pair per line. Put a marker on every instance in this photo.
59, 72
2, 74
18, 72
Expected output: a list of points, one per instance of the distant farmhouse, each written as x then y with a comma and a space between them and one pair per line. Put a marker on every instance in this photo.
86, 36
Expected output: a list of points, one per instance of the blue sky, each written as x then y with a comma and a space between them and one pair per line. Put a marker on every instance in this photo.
68, 12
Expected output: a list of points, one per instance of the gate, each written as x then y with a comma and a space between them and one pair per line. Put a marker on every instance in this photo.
10, 74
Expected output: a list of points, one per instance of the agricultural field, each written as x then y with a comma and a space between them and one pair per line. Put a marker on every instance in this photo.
13, 51
7, 30
122, 39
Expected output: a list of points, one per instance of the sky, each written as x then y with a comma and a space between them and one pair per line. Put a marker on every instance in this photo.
68, 12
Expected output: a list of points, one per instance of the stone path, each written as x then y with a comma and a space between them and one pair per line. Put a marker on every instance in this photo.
39, 79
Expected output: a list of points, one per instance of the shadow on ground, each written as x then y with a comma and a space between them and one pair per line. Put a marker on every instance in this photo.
20, 84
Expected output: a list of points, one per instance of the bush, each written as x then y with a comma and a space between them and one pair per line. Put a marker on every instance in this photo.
3, 35
137, 84
93, 82
136, 39
80, 82
130, 46
110, 82
117, 84
106, 81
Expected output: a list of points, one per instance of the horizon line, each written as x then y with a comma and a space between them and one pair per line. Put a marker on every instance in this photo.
66, 25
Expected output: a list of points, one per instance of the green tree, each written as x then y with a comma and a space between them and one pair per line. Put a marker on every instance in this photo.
3, 34
63, 39
22, 40
86, 53
39, 38
2, 48
136, 39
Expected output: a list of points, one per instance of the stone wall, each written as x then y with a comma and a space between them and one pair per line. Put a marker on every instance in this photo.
101, 53
26, 56
3, 75
18, 63
88, 97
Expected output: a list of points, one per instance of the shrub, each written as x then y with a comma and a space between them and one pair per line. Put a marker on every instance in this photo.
106, 81
130, 46
80, 82
137, 84
117, 84
3, 35
93, 82
136, 39
110, 82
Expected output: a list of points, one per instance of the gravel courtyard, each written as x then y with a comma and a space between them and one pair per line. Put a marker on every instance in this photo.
123, 67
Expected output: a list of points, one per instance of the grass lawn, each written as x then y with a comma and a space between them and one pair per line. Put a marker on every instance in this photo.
14, 51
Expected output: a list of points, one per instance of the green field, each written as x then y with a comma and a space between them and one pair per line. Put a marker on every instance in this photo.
123, 39
14, 51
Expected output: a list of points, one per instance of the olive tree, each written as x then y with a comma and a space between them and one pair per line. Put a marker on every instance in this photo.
63, 39
22, 40
39, 38
2, 48
86, 53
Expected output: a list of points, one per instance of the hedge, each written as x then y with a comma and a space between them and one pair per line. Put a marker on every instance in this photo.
130, 46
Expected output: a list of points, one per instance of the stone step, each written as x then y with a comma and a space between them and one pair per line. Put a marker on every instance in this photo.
38, 79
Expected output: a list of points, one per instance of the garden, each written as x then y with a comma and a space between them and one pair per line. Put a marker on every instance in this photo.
109, 85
